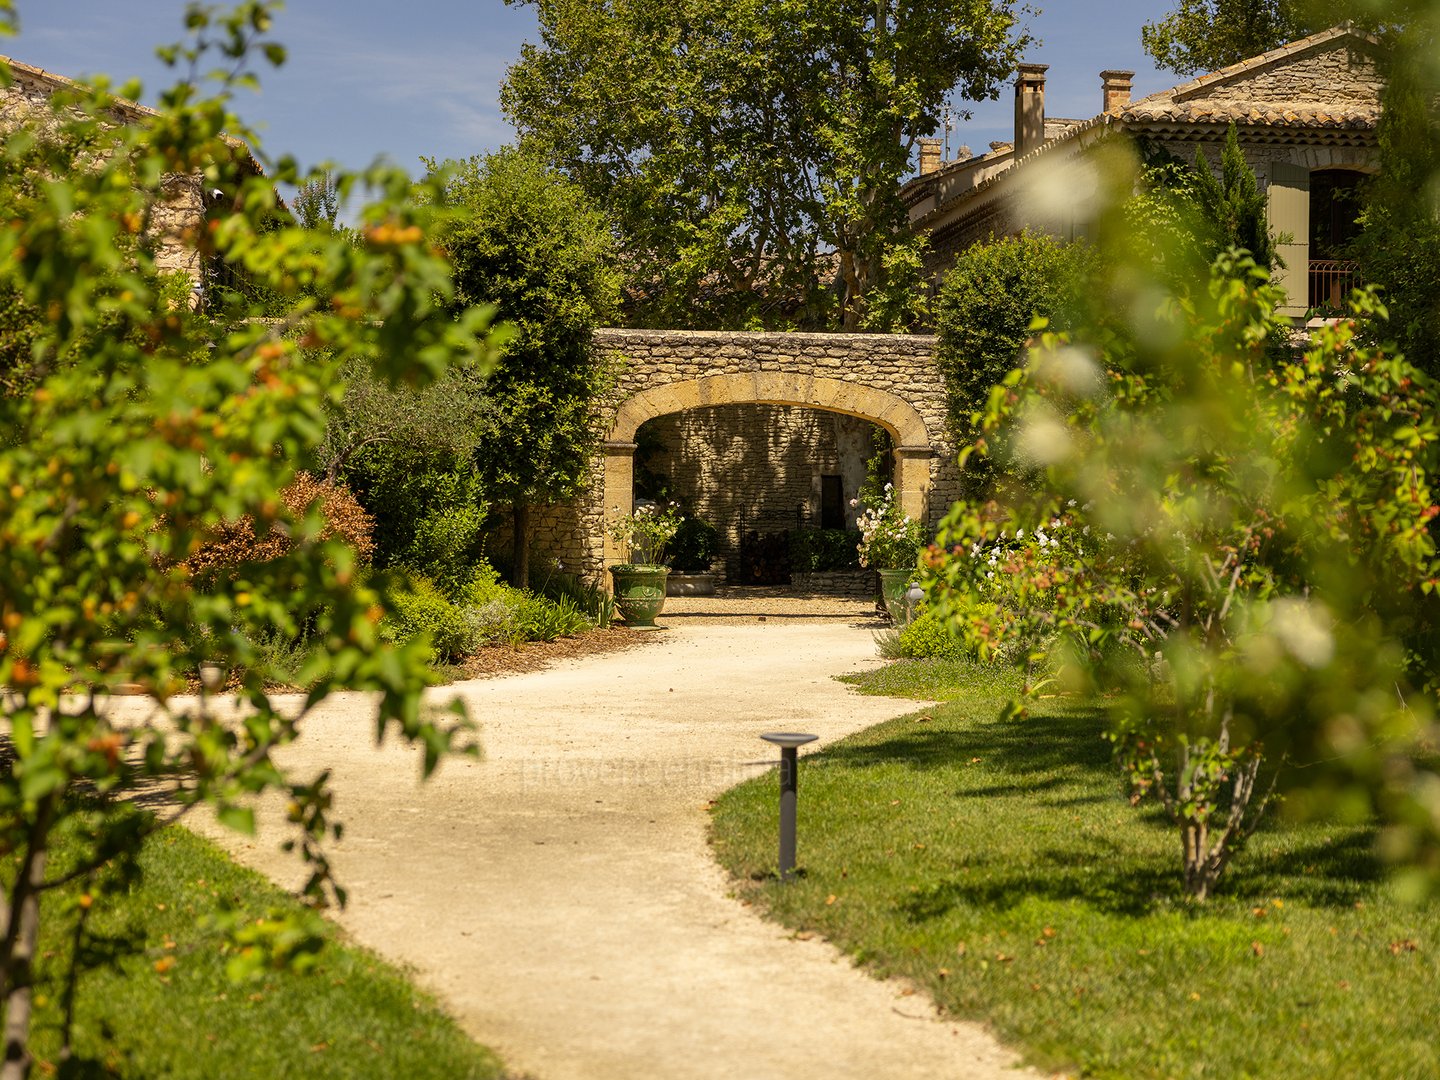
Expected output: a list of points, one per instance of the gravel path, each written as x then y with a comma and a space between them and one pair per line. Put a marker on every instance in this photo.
560, 896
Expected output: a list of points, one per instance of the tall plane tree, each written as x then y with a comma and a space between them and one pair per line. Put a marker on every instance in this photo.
751, 151
1205, 35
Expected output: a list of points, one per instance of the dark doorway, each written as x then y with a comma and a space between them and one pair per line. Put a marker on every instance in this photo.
832, 503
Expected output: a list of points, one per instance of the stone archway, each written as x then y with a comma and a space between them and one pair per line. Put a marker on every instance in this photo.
907, 428
888, 380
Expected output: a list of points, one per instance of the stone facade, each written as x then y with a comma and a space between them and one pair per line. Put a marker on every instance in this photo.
1338, 77
181, 207
1309, 106
752, 392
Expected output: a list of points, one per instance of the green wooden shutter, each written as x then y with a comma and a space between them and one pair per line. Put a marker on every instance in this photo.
1290, 213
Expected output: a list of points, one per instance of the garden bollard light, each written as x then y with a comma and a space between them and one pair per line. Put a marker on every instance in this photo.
913, 596
788, 741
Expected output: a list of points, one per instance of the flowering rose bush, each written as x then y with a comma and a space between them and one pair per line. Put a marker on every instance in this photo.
889, 539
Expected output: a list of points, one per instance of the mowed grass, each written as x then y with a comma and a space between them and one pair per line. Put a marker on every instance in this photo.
352, 1016
999, 866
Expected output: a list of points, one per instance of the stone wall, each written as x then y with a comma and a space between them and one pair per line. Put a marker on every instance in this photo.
758, 467
723, 388
180, 209
856, 584
1336, 75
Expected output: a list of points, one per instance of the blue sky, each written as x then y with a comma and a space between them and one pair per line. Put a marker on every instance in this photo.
422, 77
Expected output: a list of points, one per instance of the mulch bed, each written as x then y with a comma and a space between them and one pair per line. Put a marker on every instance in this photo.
497, 660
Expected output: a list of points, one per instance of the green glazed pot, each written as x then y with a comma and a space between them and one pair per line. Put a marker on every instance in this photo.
893, 585
639, 592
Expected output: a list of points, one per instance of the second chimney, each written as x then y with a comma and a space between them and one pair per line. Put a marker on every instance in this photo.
1117, 89
1029, 108
929, 156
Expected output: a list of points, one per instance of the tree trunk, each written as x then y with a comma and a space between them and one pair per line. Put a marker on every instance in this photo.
520, 577
1199, 879
22, 932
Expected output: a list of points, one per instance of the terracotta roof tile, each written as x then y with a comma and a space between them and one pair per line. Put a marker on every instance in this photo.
1358, 117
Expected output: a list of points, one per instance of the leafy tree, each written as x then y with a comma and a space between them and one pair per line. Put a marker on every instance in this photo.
1399, 246
1205, 35
1167, 231
989, 300
1254, 535
147, 428
751, 153
528, 240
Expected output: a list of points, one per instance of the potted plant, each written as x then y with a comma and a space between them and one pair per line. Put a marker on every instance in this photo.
890, 542
691, 556
640, 583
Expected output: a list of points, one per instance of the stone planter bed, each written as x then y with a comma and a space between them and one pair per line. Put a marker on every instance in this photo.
859, 584
678, 584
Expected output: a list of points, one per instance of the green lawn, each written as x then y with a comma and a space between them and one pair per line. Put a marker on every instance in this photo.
163, 1007
998, 866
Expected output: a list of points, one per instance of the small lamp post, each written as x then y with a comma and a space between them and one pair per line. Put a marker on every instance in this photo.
913, 596
789, 742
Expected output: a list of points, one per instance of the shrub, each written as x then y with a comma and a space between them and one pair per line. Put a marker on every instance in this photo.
817, 550
421, 608
889, 539
928, 636
646, 533
597, 604
692, 548
539, 619
987, 303
429, 518
445, 544
342, 517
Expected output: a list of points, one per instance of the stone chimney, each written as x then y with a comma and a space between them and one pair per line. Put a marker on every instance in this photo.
929, 156
1029, 108
1117, 89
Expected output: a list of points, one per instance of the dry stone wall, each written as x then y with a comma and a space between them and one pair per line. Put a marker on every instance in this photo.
1337, 75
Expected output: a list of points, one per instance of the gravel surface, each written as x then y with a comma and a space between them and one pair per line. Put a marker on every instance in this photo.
560, 896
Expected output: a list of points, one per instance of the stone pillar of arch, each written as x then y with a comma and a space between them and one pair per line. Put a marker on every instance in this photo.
912, 479
619, 495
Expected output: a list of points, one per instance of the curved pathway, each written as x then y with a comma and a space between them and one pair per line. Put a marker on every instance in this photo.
560, 897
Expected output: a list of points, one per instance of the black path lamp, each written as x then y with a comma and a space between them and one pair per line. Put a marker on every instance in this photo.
789, 742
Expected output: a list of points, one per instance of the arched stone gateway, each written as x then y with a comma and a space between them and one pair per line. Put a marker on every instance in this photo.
889, 380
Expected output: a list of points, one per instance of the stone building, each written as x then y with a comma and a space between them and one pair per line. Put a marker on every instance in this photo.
1305, 115
185, 199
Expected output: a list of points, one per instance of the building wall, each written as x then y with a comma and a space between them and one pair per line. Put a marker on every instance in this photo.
1339, 75
180, 210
